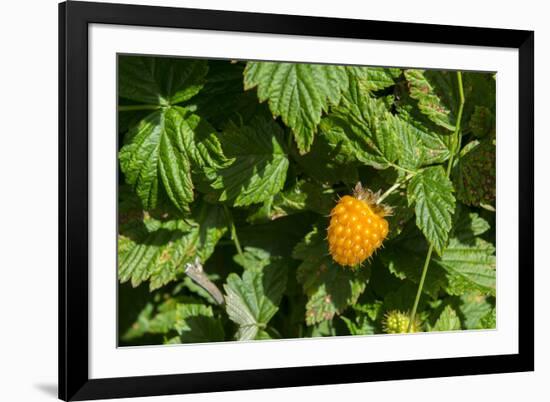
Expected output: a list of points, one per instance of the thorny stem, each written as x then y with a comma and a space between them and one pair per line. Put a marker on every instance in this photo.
130, 108
455, 149
233, 230
395, 186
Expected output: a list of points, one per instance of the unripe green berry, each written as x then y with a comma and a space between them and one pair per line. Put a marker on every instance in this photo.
397, 322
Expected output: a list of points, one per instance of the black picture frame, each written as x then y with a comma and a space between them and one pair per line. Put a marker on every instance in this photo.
74, 18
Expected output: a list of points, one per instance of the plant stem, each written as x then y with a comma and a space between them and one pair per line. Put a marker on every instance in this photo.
394, 187
454, 151
420, 286
233, 230
130, 108
456, 136
402, 169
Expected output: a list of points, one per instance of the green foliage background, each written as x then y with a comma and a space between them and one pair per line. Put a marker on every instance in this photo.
238, 164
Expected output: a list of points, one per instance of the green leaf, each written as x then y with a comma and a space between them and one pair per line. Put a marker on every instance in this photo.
222, 99
482, 122
412, 146
157, 317
480, 107
361, 325
469, 261
403, 297
192, 322
159, 152
361, 129
435, 140
401, 212
156, 249
151, 321
199, 140
490, 320
405, 256
373, 78
469, 266
302, 196
322, 329
151, 156
258, 163
474, 175
299, 93
351, 131
436, 93
474, 307
438, 97
468, 225
447, 321
432, 193
132, 304
329, 287
251, 301
195, 323
253, 258
159, 80
466, 265
129, 119
326, 164
369, 306
264, 335
288, 231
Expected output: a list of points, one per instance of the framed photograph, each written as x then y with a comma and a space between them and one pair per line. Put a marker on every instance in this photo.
257, 201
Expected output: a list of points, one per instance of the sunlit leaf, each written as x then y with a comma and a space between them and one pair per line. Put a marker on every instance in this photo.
161, 152
447, 321
299, 93
432, 194
157, 249
159, 80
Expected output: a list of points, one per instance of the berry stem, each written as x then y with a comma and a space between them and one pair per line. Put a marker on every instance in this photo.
233, 230
457, 139
130, 108
394, 187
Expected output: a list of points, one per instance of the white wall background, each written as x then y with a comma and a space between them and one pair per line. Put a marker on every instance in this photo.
28, 198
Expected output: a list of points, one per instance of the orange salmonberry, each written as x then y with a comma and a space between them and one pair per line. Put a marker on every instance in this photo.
357, 227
